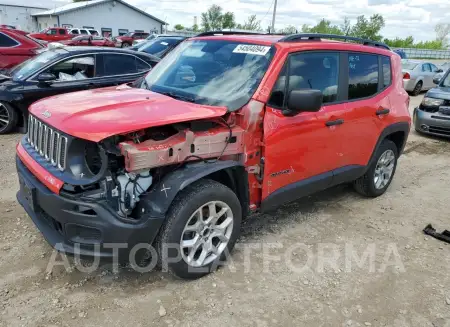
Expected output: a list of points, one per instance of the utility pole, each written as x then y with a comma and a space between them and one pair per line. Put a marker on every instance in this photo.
273, 17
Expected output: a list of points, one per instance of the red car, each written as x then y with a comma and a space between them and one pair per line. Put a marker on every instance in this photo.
53, 34
126, 40
225, 125
10, 27
15, 48
89, 40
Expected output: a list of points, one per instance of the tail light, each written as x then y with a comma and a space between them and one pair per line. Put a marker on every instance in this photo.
406, 76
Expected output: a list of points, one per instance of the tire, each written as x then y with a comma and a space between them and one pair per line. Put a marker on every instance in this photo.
125, 45
184, 214
8, 118
417, 88
367, 184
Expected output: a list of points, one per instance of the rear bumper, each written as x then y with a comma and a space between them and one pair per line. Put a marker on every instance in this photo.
409, 84
88, 229
431, 123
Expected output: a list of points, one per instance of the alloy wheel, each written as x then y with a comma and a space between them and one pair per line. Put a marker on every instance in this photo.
384, 169
206, 234
4, 117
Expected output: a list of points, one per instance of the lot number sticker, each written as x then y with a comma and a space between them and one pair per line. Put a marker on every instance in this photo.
259, 50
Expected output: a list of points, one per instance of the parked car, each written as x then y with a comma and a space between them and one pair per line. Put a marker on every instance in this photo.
89, 40
16, 48
401, 53
151, 37
53, 34
418, 75
127, 40
433, 114
83, 31
444, 67
223, 126
10, 27
160, 46
62, 70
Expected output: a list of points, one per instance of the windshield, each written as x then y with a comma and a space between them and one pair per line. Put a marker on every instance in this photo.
213, 72
158, 46
446, 81
32, 65
409, 65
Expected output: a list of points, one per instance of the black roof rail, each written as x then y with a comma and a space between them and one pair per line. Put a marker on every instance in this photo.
318, 37
212, 33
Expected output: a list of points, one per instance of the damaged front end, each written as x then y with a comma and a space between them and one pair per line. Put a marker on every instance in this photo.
120, 169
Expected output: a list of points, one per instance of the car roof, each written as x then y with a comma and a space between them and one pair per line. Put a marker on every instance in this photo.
69, 50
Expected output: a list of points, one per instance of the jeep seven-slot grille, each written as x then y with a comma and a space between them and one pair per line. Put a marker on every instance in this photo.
49, 143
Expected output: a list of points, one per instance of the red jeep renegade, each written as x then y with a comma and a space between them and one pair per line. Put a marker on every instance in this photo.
225, 125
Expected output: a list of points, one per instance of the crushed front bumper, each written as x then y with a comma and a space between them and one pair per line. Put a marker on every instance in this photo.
433, 123
88, 229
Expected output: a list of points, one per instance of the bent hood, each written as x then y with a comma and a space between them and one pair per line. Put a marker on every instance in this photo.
97, 114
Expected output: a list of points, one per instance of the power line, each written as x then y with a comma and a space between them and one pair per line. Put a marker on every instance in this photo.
268, 9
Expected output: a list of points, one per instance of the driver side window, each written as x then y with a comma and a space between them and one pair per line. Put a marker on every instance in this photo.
315, 70
73, 69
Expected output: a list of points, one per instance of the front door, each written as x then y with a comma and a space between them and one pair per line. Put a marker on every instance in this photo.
302, 151
72, 74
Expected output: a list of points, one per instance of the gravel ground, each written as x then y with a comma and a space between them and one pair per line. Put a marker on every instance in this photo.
407, 284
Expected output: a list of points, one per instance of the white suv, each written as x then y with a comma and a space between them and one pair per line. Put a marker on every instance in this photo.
83, 31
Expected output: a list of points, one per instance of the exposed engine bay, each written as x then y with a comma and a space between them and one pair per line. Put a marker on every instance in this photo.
126, 165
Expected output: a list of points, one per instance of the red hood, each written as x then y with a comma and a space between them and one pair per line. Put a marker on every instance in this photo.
97, 114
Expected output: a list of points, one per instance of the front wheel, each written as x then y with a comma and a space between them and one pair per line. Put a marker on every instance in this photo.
201, 229
380, 173
125, 45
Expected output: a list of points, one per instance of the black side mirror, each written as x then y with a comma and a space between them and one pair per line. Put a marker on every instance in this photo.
439, 71
306, 100
436, 80
46, 78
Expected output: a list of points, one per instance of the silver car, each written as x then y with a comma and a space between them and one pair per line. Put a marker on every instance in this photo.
418, 75
433, 114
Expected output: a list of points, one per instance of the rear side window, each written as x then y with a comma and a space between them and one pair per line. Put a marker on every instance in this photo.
117, 64
7, 42
62, 32
387, 72
319, 71
74, 32
142, 66
363, 75
426, 68
83, 32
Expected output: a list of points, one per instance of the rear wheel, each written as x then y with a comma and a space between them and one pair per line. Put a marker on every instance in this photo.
417, 88
380, 173
125, 45
201, 229
8, 118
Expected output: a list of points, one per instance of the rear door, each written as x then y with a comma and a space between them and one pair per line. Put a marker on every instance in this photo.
428, 76
119, 68
368, 106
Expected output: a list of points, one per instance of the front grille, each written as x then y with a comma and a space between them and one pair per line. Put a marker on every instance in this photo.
439, 130
48, 143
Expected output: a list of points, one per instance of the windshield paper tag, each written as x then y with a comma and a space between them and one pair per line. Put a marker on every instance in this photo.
259, 50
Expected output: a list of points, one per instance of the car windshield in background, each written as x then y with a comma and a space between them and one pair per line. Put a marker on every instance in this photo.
212, 72
446, 81
32, 65
409, 65
158, 46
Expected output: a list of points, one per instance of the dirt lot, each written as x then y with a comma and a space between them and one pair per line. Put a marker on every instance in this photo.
413, 290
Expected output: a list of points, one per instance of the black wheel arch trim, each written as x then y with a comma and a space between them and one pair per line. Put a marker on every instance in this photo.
389, 130
162, 194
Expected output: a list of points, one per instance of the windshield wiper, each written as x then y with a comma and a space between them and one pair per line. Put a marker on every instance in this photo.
179, 97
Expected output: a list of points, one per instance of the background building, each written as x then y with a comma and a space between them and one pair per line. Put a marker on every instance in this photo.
18, 13
115, 17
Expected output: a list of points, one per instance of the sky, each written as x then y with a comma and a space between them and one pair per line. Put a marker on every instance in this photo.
403, 17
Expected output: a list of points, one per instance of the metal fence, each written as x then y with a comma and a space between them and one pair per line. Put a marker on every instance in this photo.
425, 53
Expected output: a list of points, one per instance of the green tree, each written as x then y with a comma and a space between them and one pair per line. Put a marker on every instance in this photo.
228, 20
212, 19
324, 27
252, 24
179, 27
195, 28
368, 28
289, 30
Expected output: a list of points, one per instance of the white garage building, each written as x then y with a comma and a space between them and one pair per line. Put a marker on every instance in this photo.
18, 13
112, 17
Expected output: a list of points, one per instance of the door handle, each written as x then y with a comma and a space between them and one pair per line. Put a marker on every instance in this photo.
334, 122
382, 111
